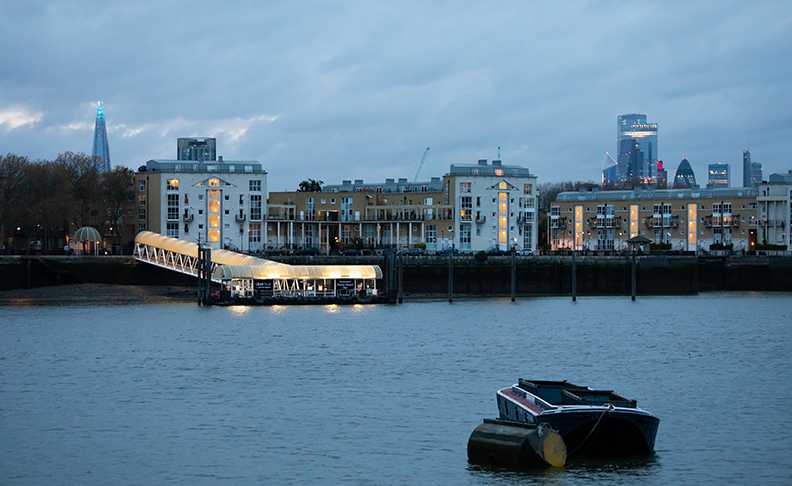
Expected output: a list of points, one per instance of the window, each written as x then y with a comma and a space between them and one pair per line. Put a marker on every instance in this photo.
186, 199
528, 189
255, 186
172, 230
431, 234
324, 201
141, 215
464, 187
141, 200
346, 210
173, 185
464, 236
241, 199
141, 227
214, 182
255, 207
142, 185
310, 208
466, 206
254, 235
173, 208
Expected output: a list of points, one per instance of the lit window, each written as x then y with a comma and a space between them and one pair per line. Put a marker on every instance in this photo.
173, 184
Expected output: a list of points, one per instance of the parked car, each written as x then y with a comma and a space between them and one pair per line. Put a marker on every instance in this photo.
274, 252
415, 252
350, 252
526, 252
446, 251
309, 251
497, 252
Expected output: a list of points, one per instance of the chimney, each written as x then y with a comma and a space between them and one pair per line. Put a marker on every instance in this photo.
482, 162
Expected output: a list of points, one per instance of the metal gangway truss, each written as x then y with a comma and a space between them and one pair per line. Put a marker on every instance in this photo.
228, 266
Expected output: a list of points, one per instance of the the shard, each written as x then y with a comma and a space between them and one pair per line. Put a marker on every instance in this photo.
101, 151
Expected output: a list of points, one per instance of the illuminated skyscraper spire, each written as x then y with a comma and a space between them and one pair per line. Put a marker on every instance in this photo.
101, 151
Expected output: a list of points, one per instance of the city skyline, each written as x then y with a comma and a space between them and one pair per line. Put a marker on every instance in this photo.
359, 90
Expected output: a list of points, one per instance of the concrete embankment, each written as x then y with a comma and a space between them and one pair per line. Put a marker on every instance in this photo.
546, 275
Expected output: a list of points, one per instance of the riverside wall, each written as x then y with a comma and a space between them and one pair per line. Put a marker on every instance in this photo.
544, 275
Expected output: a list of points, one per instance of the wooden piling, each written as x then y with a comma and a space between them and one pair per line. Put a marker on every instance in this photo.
574, 276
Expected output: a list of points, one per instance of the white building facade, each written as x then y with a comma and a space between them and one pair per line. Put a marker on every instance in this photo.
775, 209
220, 204
495, 206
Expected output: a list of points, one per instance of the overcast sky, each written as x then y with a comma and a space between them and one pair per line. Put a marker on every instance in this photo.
358, 90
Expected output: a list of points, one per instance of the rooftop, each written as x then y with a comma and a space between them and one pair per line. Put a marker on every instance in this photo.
657, 194
214, 166
495, 169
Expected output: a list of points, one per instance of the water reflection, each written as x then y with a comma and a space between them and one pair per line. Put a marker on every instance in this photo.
239, 310
625, 469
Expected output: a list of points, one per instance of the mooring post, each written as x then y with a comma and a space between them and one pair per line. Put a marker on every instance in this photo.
513, 274
574, 276
451, 274
633, 272
401, 278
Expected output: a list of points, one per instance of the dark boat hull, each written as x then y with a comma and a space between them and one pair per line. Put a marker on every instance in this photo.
598, 431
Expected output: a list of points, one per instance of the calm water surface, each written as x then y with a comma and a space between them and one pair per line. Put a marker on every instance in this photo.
177, 394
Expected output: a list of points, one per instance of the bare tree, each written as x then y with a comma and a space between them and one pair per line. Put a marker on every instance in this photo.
118, 193
84, 180
12, 190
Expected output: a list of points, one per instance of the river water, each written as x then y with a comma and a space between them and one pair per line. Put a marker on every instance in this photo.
178, 394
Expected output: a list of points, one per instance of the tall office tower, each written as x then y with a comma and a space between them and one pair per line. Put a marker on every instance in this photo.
610, 172
634, 126
747, 168
756, 174
662, 176
718, 175
629, 162
200, 149
685, 178
101, 151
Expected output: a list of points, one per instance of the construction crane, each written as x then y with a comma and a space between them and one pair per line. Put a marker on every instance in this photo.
420, 166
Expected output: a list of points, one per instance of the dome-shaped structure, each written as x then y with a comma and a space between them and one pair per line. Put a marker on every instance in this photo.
684, 178
83, 237
87, 233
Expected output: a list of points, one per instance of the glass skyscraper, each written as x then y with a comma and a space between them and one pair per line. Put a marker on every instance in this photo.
637, 160
101, 150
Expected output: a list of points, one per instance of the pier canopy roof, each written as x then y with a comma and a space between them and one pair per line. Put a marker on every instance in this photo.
232, 265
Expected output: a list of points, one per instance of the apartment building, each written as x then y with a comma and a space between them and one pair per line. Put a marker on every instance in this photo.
473, 207
326, 220
774, 198
495, 206
220, 204
685, 219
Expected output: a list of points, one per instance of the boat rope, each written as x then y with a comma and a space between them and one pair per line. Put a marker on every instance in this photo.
593, 429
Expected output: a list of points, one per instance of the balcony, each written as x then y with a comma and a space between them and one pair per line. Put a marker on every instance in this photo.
188, 216
239, 217
481, 219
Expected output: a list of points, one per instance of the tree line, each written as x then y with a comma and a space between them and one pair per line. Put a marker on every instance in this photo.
37, 196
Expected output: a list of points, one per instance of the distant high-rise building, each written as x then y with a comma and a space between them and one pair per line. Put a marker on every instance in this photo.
635, 127
101, 150
718, 175
685, 177
662, 176
630, 157
610, 172
747, 168
200, 149
756, 174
